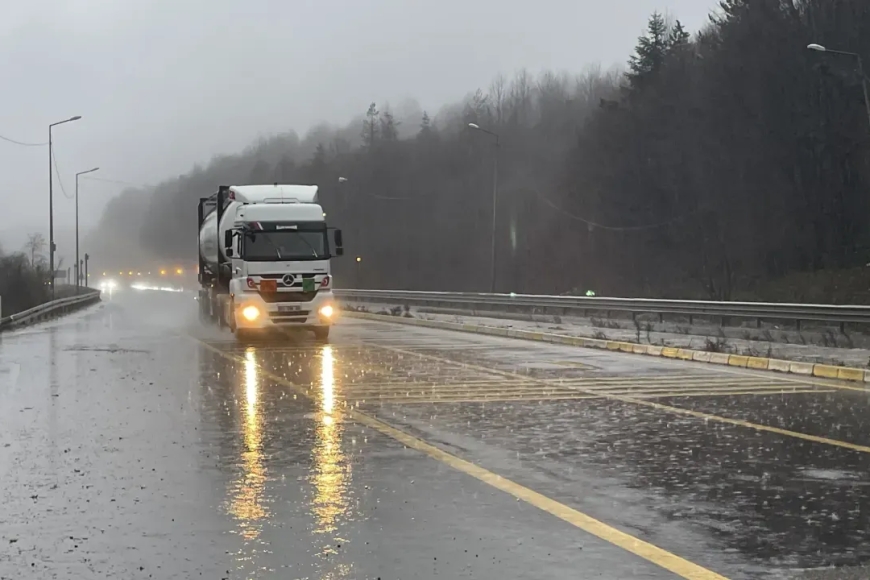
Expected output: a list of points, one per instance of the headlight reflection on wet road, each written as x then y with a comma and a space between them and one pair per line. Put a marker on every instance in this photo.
247, 503
330, 473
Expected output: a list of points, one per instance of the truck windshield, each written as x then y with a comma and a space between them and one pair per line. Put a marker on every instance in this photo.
285, 245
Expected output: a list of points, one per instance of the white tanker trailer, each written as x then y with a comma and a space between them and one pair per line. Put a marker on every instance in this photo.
264, 254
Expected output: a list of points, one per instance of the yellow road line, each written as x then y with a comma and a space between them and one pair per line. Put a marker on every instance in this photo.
649, 552
471, 399
679, 566
727, 393
537, 399
692, 388
749, 425
647, 380
679, 410
681, 385
574, 397
453, 388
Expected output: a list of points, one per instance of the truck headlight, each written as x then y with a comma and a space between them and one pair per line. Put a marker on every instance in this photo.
327, 311
251, 313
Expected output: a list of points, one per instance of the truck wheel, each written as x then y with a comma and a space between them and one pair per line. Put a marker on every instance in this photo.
221, 316
203, 315
321, 333
242, 335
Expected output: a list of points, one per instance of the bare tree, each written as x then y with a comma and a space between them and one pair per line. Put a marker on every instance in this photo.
34, 246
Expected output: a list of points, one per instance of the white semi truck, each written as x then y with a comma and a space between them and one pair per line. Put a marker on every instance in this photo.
264, 259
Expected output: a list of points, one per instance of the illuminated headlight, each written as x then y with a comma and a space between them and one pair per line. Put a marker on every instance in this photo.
251, 313
327, 311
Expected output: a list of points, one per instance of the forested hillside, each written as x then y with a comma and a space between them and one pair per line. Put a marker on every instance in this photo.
717, 161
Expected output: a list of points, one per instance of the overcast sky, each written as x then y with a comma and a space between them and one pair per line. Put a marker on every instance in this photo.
162, 84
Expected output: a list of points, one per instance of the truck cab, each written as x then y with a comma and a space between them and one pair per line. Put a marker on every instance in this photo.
272, 266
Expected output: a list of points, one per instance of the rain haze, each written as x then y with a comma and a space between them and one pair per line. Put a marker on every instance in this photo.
415, 289
167, 84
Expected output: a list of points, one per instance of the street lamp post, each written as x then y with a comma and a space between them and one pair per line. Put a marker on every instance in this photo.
78, 271
51, 246
358, 279
820, 48
477, 127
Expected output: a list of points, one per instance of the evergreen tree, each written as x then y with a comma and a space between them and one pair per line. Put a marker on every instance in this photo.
389, 127
370, 126
650, 53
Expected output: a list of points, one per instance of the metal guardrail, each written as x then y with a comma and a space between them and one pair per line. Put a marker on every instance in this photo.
479, 303
49, 309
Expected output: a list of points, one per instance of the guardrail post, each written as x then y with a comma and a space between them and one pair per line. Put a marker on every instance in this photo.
757, 323
691, 319
798, 324
842, 328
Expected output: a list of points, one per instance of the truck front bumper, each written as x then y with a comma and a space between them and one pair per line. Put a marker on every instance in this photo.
251, 311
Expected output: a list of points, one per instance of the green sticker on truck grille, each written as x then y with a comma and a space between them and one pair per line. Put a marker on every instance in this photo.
308, 284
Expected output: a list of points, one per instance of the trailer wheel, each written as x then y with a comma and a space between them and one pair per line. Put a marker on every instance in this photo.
221, 314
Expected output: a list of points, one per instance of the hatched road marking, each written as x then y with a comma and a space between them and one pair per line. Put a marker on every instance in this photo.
636, 400
649, 552
429, 382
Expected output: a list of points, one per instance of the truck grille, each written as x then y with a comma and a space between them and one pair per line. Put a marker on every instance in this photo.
278, 297
288, 316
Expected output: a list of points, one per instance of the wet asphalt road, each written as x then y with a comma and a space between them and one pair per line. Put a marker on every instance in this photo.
136, 444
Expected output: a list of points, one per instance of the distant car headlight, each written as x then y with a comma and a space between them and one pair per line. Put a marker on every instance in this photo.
251, 313
327, 311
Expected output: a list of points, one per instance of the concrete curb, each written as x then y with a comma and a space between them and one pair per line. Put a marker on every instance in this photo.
734, 360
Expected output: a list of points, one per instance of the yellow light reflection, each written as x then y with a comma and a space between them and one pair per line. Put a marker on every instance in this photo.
247, 502
331, 469
327, 380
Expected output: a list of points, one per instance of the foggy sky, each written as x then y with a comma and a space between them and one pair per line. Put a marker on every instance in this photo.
163, 84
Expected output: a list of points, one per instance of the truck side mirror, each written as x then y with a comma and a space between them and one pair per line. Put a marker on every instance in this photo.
339, 242
228, 241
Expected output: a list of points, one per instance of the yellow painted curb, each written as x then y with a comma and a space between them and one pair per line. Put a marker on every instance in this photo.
848, 374
756, 363
738, 360
825, 371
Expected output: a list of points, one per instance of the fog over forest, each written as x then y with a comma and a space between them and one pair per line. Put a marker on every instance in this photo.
715, 164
